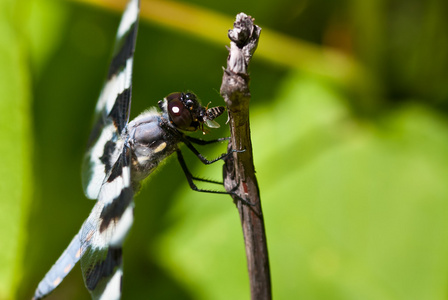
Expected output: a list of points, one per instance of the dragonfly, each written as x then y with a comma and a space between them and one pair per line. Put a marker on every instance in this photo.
120, 154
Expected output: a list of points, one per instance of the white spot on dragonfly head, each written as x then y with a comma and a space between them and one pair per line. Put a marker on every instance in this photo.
175, 110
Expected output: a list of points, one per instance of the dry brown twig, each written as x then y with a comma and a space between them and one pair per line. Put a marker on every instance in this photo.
239, 171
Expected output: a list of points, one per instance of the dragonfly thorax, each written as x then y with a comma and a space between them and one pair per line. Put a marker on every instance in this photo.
150, 143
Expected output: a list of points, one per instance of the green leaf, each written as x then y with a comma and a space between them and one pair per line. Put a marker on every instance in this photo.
15, 148
353, 210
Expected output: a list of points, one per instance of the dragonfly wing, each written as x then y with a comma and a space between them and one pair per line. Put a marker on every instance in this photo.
113, 106
106, 175
104, 232
61, 268
99, 242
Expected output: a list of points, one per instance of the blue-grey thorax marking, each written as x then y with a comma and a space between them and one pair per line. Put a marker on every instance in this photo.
150, 143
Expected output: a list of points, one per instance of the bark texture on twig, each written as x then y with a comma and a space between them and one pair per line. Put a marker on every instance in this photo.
239, 171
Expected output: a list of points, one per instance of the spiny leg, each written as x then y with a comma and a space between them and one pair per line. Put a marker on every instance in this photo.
193, 186
191, 178
203, 142
207, 180
202, 158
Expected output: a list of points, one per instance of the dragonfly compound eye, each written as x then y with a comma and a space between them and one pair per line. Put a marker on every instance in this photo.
179, 114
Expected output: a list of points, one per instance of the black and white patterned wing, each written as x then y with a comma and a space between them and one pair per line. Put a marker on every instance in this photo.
107, 171
61, 268
104, 231
106, 177
113, 106
99, 242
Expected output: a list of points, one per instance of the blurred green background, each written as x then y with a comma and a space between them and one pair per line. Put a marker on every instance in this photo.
350, 135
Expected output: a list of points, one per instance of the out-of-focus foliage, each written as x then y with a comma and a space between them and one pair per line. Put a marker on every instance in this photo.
15, 147
353, 170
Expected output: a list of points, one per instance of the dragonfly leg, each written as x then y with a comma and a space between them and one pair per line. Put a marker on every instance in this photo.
205, 160
191, 178
203, 142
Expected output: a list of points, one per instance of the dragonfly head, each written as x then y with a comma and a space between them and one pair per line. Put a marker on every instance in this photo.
186, 113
